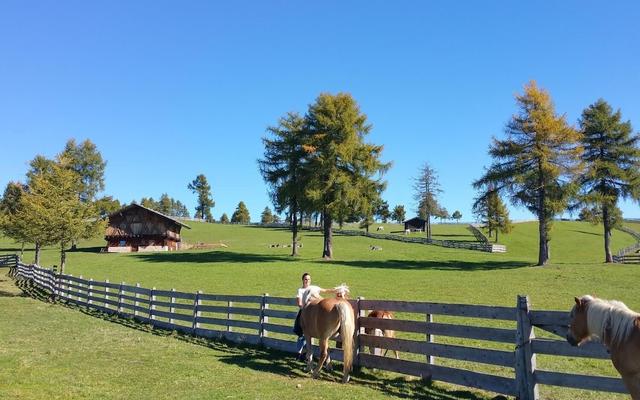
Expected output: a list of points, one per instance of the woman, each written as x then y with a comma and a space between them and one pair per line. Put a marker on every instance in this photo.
297, 329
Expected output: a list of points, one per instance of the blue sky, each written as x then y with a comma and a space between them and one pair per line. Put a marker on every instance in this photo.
169, 90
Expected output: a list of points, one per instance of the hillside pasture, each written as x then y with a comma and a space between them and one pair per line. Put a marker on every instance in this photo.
400, 271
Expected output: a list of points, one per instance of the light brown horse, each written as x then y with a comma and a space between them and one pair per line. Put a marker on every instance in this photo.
388, 333
617, 327
324, 318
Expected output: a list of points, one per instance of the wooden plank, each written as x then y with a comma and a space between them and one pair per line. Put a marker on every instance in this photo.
134, 289
232, 310
485, 356
461, 310
550, 317
588, 382
279, 344
278, 328
562, 348
284, 301
140, 300
229, 322
168, 304
234, 298
170, 315
231, 336
178, 295
492, 383
281, 314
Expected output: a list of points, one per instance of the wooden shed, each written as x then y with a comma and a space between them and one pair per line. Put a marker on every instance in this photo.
415, 224
137, 228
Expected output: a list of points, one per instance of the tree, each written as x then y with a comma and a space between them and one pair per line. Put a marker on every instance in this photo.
492, 213
241, 214
283, 169
10, 225
536, 161
345, 171
224, 219
164, 205
382, 211
54, 212
266, 217
612, 166
107, 205
398, 213
86, 161
457, 215
205, 201
427, 188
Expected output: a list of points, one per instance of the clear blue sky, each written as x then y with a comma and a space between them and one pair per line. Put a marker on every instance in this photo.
169, 90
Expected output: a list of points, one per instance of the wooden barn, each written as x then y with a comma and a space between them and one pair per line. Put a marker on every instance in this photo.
415, 224
137, 228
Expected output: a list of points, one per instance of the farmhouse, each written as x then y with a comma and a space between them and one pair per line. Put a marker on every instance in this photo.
415, 224
137, 228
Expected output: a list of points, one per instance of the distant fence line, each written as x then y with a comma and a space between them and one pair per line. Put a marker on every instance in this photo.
486, 247
480, 237
267, 321
629, 254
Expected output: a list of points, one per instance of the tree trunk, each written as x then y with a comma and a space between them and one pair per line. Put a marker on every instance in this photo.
327, 251
496, 236
428, 226
294, 239
608, 257
543, 253
36, 260
22, 251
63, 258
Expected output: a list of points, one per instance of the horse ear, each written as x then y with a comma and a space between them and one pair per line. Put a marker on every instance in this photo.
578, 301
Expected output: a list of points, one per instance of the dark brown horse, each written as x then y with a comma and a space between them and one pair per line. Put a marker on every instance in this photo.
381, 332
324, 318
617, 327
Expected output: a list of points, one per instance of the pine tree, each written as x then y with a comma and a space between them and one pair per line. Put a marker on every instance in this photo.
241, 214
10, 224
224, 219
343, 167
86, 161
612, 160
427, 188
205, 201
536, 161
266, 217
398, 213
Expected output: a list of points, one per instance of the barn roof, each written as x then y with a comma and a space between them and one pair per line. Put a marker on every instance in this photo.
133, 205
415, 219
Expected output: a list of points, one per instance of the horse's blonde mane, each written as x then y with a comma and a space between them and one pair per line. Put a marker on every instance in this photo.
311, 293
610, 316
342, 290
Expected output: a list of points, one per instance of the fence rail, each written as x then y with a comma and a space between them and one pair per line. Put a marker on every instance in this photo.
431, 350
9, 260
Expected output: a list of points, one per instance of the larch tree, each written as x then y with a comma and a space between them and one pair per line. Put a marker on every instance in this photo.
283, 169
398, 213
86, 161
535, 163
241, 214
205, 201
10, 225
344, 167
426, 189
612, 166
266, 217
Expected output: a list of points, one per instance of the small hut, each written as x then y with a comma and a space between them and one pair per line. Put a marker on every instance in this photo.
137, 228
415, 224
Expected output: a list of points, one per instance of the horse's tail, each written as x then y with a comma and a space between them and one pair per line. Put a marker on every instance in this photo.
347, 328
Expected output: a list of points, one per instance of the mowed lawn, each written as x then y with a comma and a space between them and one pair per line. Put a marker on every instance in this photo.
249, 265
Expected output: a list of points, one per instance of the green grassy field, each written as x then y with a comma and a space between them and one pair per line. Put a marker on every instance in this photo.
401, 271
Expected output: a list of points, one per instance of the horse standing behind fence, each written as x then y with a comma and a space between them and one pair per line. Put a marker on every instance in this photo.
322, 319
388, 333
617, 327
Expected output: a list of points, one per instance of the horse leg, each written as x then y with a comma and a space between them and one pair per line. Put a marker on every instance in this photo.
632, 382
324, 346
309, 356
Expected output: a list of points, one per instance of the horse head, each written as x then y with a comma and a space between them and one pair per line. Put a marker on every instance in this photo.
578, 324
342, 291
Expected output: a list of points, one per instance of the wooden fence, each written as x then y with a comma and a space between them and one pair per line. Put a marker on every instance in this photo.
8, 260
480, 246
484, 347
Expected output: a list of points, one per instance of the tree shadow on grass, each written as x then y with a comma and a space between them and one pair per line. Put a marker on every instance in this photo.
445, 265
586, 233
268, 360
216, 256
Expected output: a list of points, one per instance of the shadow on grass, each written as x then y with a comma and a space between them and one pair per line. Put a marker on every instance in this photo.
586, 233
268, 360
216, 256
446, 265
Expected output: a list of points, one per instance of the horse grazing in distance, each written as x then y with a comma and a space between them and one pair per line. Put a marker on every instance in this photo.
381, 332
323, 318
617, 327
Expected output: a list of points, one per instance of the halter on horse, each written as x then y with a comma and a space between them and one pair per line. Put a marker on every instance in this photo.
617, 327
322, 319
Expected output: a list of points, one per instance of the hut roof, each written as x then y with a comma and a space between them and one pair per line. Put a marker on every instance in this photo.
133, 205
415, 219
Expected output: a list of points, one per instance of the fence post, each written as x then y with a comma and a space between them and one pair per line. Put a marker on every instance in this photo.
172, 309
526, 386
152, 307
229, 316
264, 305
90, 292
196, 311
80, 291
136, 303
430, 339
359, 313
106, 293
120, 299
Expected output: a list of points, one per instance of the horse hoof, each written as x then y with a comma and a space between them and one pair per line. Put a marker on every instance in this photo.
345, 379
